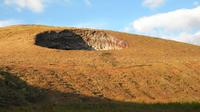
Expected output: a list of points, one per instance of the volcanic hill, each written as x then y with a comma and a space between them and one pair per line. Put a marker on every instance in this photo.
54, 68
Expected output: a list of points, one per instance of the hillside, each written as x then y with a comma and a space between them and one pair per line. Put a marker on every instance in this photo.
135, 72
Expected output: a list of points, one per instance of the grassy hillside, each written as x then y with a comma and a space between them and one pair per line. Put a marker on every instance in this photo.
152, 74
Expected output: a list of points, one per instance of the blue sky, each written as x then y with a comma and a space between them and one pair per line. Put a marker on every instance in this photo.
170, 19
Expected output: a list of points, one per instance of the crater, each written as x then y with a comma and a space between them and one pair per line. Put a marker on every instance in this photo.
77, 39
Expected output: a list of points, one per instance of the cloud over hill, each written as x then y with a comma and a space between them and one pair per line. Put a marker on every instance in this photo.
182, 25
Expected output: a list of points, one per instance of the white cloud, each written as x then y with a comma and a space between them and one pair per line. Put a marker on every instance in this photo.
179, 20
153, 3
181, 25
38, 6
7, 22
190, 38
33, 5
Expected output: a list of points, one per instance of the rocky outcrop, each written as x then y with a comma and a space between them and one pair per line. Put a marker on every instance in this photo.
77, 39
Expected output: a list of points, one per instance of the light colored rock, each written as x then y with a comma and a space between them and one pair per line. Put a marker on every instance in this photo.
82, 39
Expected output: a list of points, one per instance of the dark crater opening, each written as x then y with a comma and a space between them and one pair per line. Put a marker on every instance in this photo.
77, 39
65, 40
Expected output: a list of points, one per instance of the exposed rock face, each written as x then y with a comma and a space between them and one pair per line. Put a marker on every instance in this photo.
79, 40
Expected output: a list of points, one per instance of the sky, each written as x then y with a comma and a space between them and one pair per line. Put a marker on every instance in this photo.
177, 20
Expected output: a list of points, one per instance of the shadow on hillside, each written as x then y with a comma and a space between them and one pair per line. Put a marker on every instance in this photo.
17, 96
64, 40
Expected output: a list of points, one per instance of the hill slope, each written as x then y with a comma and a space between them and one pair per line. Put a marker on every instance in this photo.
146, 70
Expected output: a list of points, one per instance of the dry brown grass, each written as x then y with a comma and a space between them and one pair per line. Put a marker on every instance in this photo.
149, 71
